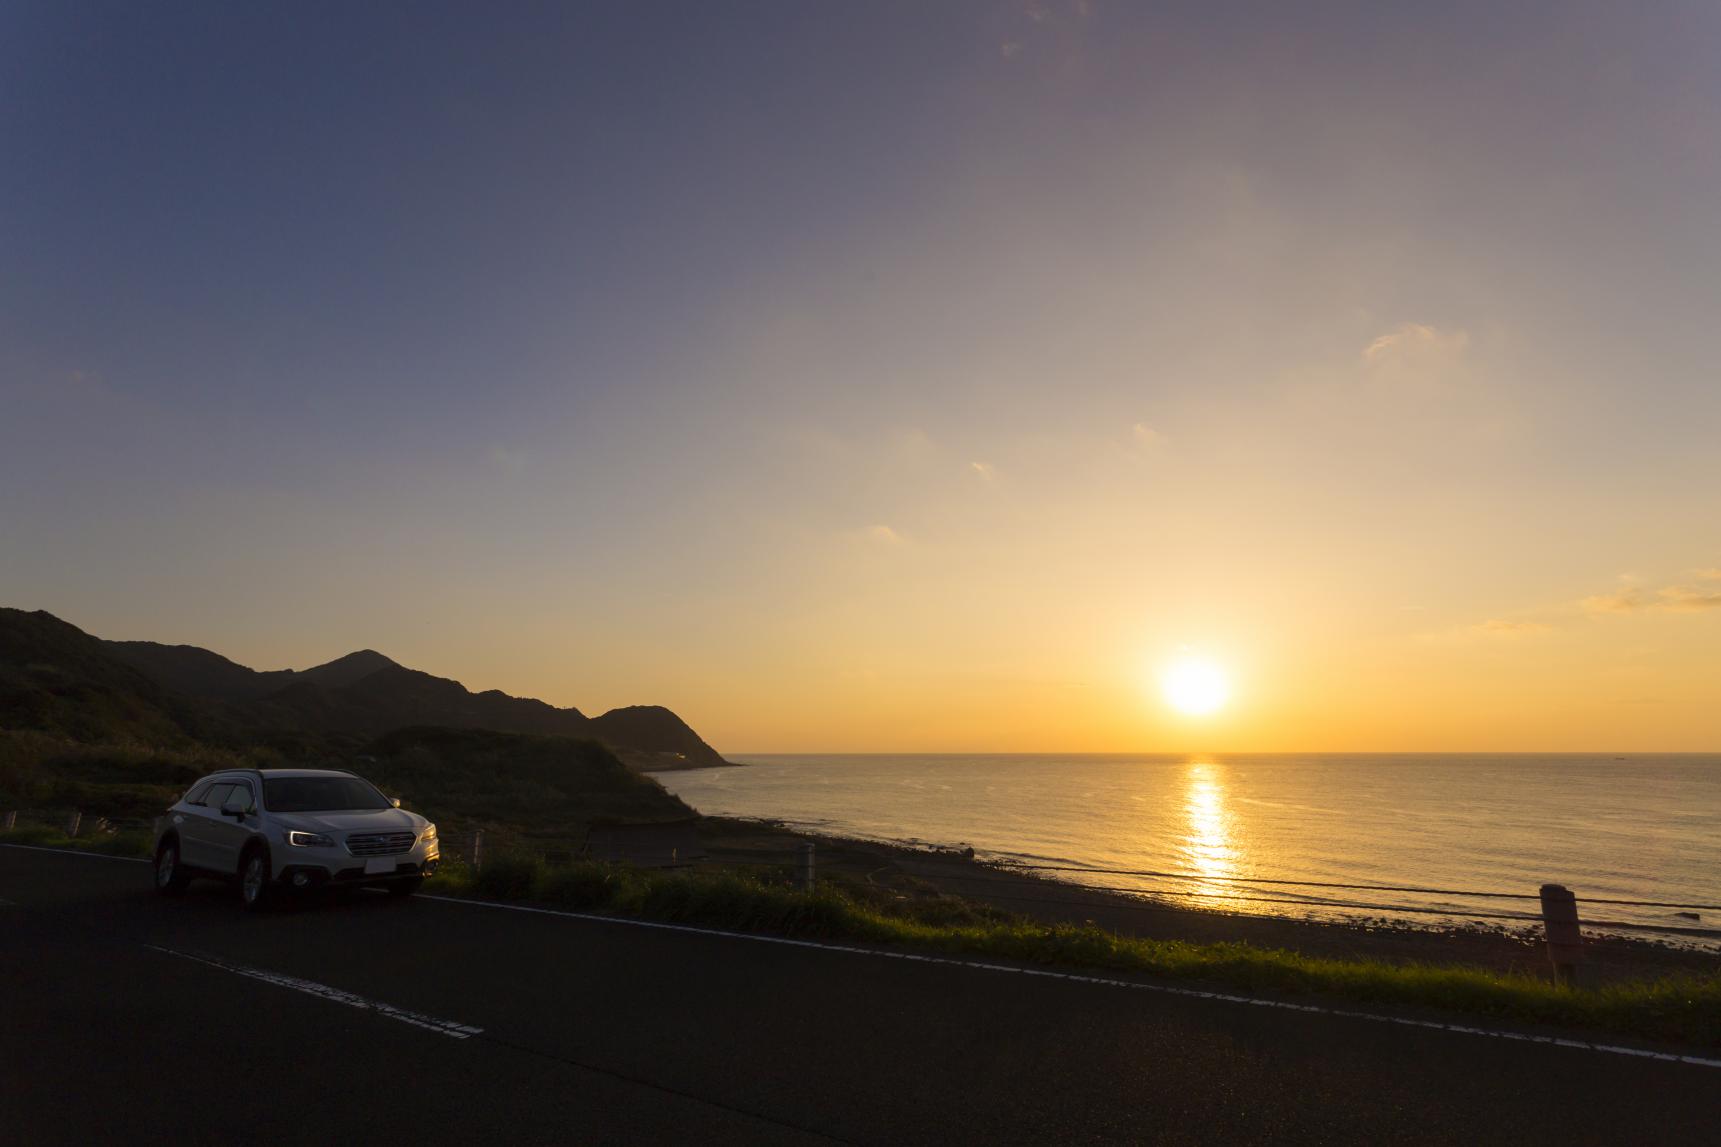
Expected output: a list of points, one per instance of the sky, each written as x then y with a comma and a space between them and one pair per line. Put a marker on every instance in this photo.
887, 377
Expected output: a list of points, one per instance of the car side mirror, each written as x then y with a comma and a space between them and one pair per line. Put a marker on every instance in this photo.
235, 810
393, 802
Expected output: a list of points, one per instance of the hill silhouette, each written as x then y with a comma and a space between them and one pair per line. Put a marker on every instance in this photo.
57, 679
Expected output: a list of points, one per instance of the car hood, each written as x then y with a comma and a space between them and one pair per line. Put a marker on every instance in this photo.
357, 820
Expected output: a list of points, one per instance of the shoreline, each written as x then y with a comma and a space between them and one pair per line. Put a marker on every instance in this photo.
930, 871
650, 764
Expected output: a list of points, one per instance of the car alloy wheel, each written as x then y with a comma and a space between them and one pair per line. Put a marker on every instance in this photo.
253, 880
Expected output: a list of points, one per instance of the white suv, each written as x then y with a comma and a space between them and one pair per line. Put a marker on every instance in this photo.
271, 829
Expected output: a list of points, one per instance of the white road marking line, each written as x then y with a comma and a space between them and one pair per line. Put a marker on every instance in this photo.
1193, 993
79, 852
1101, 981
334, 995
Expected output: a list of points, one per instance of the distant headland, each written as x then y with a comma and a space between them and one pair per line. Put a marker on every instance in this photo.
57, 679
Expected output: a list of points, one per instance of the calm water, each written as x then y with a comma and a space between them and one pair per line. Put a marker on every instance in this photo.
1637, 828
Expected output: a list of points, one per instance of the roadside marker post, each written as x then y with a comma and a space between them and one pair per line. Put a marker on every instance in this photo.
73, 821
11, 821
805, 867
477, 849
1565, 941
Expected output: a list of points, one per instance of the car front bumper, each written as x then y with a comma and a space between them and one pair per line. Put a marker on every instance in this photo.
306, 868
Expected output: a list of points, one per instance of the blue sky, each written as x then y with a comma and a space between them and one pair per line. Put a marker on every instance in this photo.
871, 361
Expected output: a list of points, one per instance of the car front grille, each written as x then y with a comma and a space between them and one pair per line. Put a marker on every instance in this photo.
380, 843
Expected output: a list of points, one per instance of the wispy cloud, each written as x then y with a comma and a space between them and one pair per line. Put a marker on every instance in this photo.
1671, 599
1146, 436
985, 470
1494, 629
1688, 599
1047, 33
1499, 627
1624, 601
1417, 359
1415, 343
884, 535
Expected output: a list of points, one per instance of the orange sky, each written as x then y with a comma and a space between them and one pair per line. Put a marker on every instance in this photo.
885, 382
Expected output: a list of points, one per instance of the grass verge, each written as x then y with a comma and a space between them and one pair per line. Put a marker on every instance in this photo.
129, 843
1684, 1008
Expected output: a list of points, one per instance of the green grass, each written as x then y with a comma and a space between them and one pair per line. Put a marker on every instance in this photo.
1684, 1008
127, 843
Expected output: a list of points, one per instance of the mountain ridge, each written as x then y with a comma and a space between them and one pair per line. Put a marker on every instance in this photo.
151, 689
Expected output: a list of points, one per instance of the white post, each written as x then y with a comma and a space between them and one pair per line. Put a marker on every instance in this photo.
1560, 922
73, 821
11, 820
806, 867
477, 849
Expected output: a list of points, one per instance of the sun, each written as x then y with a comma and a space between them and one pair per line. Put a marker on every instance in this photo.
1195, 687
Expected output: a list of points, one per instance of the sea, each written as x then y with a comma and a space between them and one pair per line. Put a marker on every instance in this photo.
1262, 833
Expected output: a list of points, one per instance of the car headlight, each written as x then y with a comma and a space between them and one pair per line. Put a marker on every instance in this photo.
428, 836
310, 840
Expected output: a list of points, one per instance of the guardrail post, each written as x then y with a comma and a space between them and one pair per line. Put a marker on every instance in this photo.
477, 849
73, 821
1565, 941
804, 870
11, 821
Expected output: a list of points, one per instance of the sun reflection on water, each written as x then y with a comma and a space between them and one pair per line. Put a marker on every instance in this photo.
1207, 847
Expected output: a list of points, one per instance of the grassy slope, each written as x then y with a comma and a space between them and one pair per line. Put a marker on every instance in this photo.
536, 785
513, 785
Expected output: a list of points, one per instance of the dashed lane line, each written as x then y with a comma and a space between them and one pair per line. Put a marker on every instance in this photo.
78, 852
334, 995
1074, 977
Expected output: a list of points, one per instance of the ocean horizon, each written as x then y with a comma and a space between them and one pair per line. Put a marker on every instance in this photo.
1222, 827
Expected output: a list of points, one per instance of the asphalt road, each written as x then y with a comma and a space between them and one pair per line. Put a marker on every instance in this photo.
129, 1018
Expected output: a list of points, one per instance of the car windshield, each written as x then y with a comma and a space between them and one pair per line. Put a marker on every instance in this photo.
321, 794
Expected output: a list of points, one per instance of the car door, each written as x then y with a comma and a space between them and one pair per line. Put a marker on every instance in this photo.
228, 833
198, 831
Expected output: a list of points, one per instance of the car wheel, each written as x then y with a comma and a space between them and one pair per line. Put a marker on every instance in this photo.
170, 877
404, 888
254, 887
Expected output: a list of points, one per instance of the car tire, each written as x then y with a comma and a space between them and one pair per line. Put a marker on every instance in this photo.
170, 877
255, 891
401, 889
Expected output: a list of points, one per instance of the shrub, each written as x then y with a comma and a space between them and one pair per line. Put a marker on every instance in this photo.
586, 884
509, 876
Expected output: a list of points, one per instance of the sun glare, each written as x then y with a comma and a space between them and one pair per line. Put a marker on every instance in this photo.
1195, 687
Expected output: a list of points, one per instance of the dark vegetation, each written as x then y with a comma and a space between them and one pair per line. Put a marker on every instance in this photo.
58, 680
545, 790
117, 730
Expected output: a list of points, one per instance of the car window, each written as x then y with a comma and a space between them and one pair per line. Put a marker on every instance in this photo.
242, 793
321, 794
217, 794
195, 796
